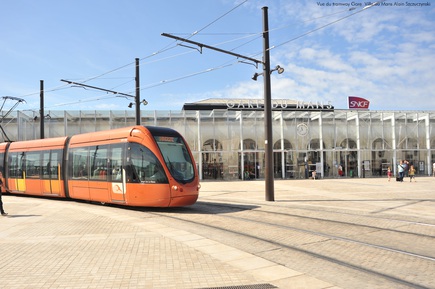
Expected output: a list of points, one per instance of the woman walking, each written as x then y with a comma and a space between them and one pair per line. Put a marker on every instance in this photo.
412, 173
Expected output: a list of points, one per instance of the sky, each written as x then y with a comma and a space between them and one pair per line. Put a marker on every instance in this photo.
329, 49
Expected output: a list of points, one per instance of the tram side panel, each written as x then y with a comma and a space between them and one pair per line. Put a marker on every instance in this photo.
143, 166
134, 166
86, 179
35, 167
116, 171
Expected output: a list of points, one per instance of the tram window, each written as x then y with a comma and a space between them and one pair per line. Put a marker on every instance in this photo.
16, 164
46, 165
98, 157
115, 164
33, 165
50, 164
12, 165
144, 166
79, 157
2, 161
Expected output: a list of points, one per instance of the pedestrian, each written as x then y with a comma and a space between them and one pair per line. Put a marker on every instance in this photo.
401, 171
405, 168
389, 173
2, 187
411, 173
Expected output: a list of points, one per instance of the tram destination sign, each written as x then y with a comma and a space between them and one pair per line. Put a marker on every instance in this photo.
256, 104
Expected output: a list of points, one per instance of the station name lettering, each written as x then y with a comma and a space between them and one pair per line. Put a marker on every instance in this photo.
313, 105
277, 104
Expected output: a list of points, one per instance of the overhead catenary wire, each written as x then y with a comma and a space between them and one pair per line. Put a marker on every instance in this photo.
66, 86
273, 47
256, 35
101, 97
261, 33
323, 26
166, 48
227, 64
188, 75
217, 19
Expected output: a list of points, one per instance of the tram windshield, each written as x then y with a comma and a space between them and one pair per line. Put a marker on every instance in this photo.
177, 157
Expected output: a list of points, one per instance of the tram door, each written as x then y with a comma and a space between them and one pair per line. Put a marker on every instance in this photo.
117, 191
51, 180
98, 173
16, 174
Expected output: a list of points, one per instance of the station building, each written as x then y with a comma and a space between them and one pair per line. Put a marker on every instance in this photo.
226, 136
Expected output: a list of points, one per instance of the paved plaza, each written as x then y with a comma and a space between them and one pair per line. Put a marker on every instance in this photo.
46, 243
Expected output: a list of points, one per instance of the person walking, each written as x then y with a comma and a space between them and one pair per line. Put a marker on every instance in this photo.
389, 173
411, 173
401, 171
2, 188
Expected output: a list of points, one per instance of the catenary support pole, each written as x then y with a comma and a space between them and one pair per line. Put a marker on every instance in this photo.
137, 96
41, 110
268, 141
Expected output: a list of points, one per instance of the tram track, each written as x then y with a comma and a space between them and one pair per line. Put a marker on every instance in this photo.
373, 215
403, 222
251, 226
329, 236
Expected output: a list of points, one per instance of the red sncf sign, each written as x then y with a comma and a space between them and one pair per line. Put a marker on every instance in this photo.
356, 102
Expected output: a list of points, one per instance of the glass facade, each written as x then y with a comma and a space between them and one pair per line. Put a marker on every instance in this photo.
228, 144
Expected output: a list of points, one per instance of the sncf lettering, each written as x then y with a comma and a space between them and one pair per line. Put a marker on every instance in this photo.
359, 104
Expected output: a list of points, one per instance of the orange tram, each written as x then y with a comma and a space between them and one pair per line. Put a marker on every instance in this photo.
132, 166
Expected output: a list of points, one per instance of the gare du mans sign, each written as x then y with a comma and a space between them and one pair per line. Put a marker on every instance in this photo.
254, 104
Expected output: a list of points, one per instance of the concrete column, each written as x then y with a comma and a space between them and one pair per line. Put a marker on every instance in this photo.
358, 145
428, 158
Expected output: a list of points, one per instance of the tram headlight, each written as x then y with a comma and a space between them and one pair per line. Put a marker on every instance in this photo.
199, 186
175, 188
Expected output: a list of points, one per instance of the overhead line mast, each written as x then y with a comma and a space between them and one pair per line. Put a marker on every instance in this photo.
268, 141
